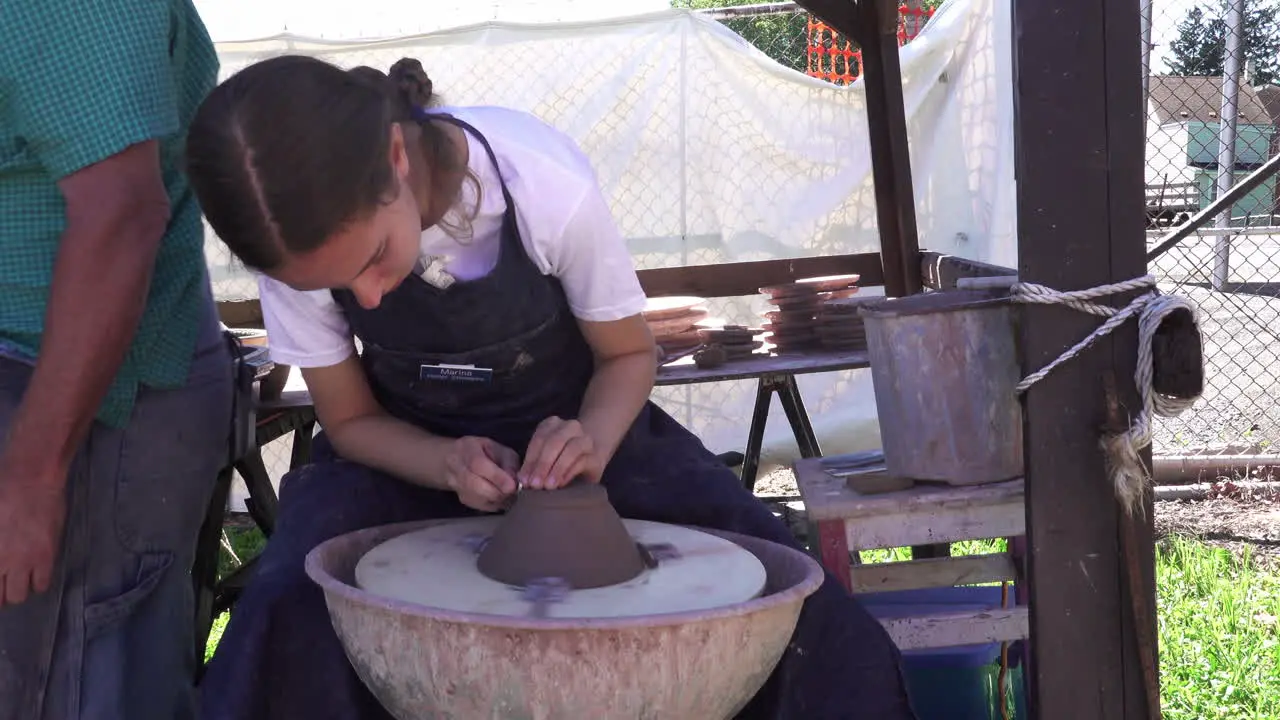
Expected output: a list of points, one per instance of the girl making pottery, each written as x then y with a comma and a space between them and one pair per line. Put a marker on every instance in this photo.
455, 236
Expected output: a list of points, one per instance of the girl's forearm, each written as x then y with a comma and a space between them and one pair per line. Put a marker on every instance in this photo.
395, 447
618, 390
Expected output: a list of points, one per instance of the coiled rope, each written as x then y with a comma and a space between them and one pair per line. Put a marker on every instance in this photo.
1128, 473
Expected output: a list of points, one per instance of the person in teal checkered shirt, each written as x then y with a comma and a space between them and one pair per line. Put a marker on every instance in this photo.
115, 380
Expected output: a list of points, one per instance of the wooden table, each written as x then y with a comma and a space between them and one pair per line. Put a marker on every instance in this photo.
773, 373
924, 514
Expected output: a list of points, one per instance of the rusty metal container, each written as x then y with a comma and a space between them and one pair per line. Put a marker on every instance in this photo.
944, 366
423, 663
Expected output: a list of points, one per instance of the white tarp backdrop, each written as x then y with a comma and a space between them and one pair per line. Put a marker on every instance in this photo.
711, 152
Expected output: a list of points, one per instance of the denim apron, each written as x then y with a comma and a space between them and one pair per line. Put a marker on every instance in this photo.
279, 657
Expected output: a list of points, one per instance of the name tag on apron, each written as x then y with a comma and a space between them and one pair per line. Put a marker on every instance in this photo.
455, 373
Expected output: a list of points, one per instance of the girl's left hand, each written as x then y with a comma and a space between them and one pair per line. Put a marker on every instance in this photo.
559, 452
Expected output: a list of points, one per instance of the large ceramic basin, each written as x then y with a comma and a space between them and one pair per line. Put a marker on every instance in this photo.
424, 663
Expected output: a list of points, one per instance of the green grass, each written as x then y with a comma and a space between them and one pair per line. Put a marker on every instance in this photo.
1219, 625
1219, 647
246, 544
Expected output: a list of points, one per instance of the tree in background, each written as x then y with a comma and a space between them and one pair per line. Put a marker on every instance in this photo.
781, 36
1200, 47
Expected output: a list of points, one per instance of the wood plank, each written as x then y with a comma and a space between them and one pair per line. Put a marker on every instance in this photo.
932, 573
1080, 215
833, 550
941, 271
890, 155
958, 628
1126, 160
685, 372
746, 278
842, 15
681, 372
829, 498
932, 526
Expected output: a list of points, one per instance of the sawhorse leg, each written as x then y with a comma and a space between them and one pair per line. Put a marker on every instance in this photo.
204, 572
793, 405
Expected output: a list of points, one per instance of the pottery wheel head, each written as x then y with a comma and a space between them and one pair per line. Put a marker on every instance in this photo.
572, 534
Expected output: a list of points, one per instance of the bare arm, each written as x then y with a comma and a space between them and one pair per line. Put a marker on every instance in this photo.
361, 430
117, 211
622, 382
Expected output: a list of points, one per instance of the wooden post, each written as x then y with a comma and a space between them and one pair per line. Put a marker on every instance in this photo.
1079, 148
890, 156
874, 25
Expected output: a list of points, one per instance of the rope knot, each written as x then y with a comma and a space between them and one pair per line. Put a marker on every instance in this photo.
1151, 308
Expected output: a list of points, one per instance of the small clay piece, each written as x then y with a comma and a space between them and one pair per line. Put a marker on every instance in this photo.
710, 356
572, 533
662, 308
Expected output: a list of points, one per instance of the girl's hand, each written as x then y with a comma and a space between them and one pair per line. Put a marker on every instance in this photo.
559, 452
481, 472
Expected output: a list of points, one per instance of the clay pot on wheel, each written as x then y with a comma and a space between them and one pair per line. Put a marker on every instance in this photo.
572, 533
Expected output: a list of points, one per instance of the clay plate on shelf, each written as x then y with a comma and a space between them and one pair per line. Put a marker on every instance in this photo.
676, 324
810, 286
786, 316
661, 308
811, 300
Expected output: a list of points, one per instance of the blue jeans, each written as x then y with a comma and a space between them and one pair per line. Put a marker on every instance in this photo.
112, 638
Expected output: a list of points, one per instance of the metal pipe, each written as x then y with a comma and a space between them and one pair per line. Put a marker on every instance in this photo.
1170, 470
736, 11
1146, 51
1227, 136
1241, 231
1239, 190
1200, 491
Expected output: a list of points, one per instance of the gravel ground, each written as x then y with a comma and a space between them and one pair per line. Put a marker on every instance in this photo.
1238, 412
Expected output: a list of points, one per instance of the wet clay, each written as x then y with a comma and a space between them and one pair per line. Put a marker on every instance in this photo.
572, 533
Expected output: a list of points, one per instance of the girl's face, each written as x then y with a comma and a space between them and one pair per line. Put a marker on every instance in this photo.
370, 256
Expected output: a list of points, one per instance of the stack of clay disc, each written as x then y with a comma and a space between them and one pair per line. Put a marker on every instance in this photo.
737, 341
792, 323
839, 326
673, 321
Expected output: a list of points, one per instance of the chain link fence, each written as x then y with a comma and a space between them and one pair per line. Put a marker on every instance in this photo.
781, 31
1213, 106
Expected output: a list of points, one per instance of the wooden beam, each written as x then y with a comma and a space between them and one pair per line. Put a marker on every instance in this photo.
890, 156
840, 15
1079, 163
932, 573
950, 629
746, 278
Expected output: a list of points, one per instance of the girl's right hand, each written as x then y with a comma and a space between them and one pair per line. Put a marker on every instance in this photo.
482, 472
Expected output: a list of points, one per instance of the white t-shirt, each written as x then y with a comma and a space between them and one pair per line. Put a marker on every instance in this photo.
564, 222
